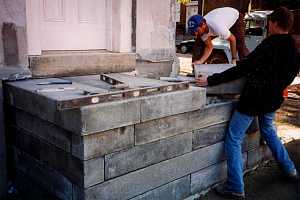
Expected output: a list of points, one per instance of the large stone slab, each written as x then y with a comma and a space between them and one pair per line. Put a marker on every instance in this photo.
141, 181
83, 173
212, 114
209, 135
172, 103
141, 156
205, 178
81, 63
99, 144
233, 87
176, 190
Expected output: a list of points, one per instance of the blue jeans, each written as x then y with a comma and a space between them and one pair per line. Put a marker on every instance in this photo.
236, 130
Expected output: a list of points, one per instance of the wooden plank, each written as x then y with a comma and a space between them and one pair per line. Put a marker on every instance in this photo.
119, 95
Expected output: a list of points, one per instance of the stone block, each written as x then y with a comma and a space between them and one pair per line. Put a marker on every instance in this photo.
71, 64
169, 126
173, 103
42, 129
99, 144
83, 173
210, 115
176, 190
233, 87
205, 178
45, 177
106, 116
141, 156
209, 135
146, 179
251, 142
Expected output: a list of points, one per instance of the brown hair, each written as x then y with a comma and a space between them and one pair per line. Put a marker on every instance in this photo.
284, 18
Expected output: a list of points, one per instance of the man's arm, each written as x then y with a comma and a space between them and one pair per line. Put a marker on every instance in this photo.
254, 61
232, 41
207, 51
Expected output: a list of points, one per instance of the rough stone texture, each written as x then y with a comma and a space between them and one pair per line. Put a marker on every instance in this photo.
209, 135
99, 144
205, 178
251, 141
83, 173
10, 44
44, 130
254, 157
141, 156
146, 179
155, 30
161, 128
56, 65
172, 103
15, 12
176, 190
44, 176
102, 117
153, 70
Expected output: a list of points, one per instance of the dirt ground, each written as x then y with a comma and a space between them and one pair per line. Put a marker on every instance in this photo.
267, 181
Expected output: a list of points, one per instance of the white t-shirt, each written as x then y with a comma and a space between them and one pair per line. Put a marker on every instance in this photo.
219, 22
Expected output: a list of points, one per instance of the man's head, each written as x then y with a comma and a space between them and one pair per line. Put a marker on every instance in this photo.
197, 25
280, 21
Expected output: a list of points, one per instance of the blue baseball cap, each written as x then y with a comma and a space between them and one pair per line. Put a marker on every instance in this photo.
193, 23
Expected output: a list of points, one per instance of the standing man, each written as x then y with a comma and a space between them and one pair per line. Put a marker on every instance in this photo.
227, 23
269, 69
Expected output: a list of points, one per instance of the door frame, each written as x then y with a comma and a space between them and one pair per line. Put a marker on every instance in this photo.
120, 42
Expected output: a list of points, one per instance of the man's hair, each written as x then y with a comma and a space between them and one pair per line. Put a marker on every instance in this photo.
284, 18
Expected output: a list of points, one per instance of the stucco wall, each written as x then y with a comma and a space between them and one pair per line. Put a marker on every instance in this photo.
14, 11
155, 30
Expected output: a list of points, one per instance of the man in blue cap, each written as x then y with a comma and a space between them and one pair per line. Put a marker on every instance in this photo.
226, 23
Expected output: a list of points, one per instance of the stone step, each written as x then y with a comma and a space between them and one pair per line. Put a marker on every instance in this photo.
71, 63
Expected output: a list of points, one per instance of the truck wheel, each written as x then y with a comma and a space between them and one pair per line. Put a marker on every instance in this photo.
183, 49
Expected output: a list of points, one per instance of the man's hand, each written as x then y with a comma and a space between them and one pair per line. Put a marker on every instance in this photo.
197, 62
201, 81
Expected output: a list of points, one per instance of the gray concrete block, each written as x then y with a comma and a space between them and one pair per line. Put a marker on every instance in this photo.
176, 190
83, 173
42, 129
93, 172
233, 87
141, 181
212, 114
161, 128
205, 178
45, 177
173, 103
106, 116
66, 64
209, 135
169, 126
99, 144
117, 164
